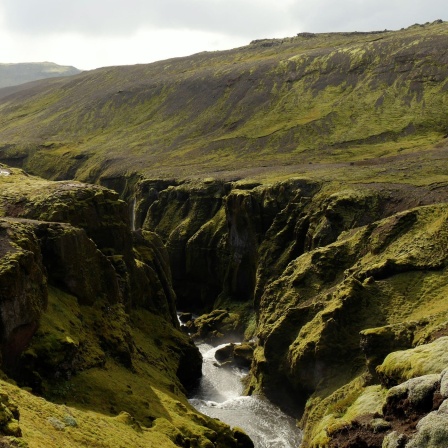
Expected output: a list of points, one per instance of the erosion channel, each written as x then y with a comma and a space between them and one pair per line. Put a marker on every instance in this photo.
219, 395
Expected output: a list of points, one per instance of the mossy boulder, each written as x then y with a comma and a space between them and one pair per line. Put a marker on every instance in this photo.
424, 359
217, 326
414, 396
239, 355
432, 430
444, 384
9, 417
377, 343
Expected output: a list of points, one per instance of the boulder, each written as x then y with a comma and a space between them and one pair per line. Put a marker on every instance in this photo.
377, 343
432, 430
444, 383
238, 355
216, 326
394, 440
424, 359
413, 397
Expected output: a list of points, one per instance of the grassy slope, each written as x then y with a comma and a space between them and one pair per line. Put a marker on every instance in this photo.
275, 106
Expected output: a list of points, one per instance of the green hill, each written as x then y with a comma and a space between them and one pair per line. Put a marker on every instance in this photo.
325, 98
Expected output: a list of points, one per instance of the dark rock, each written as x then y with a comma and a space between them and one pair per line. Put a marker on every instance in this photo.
189, 369
216, 326
243, 355
225, 353
185, 317
242, 439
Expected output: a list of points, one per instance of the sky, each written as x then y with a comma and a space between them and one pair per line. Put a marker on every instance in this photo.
97, 33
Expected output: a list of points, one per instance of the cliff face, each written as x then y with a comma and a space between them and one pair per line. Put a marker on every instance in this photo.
338, 277
88, 318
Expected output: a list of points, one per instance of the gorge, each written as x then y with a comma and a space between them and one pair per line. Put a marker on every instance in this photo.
292, 192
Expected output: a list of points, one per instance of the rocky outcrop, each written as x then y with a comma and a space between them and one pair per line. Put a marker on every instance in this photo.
80, 294
23, 287
216, 327
408, 415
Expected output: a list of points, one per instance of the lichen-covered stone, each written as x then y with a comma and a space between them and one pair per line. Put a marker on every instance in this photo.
394, 440
413, 396
432, 431
444, 383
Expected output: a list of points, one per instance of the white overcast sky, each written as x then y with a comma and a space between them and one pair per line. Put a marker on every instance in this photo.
98, 33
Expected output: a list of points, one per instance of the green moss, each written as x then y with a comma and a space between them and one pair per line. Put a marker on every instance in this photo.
331, 99
421, 360
141, 393
338, 410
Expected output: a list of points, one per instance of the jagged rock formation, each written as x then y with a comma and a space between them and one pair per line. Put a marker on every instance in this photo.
339, 278
88, 318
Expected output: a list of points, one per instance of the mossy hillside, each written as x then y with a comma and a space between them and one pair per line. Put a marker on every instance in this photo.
85, 346
311, 316
332, 98
45, 424
99, 360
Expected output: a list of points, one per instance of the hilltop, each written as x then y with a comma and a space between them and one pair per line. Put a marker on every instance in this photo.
21, 73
